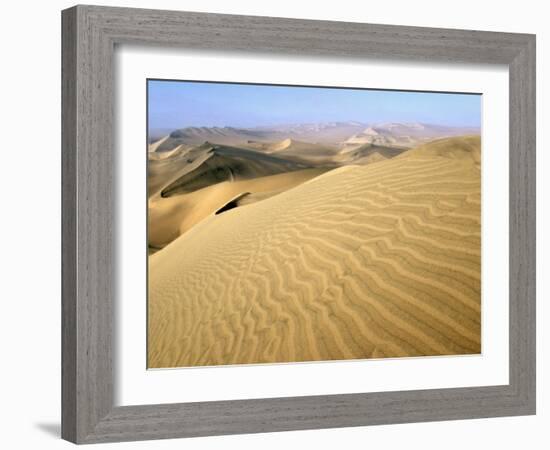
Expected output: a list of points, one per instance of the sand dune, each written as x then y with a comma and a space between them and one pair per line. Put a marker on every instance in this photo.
405, 134
372, 158
223, 163
165, 167
177, 152
171, 217
364, 261
219, 135
460, 148
330, 133
155, 145
305, 151
189, 184
327, 133
298, 149
366, 153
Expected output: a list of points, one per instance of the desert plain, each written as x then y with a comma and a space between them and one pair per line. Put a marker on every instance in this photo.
313, 242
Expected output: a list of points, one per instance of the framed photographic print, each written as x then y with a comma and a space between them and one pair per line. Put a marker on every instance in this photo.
277, 224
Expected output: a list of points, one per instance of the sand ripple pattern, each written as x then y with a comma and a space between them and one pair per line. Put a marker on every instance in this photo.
361, 262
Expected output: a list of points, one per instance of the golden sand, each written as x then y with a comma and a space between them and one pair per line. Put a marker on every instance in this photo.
380, 260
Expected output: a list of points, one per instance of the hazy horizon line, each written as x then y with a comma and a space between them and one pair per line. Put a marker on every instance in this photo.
290, 124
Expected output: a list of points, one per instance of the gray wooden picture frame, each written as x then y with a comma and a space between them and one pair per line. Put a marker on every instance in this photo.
90, 34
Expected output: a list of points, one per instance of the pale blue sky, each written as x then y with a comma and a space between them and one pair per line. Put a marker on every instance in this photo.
178, 104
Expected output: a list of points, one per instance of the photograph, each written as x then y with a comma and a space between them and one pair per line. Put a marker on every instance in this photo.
311, 223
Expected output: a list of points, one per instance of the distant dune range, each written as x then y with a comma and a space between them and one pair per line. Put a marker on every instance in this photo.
331, 133
185, 161
366, 249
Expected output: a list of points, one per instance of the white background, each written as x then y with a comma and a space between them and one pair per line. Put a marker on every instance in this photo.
30, 226
135, 386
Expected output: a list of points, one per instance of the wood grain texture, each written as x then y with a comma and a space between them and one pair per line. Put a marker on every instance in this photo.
68, 226
88, 209
89, 270
522, 281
